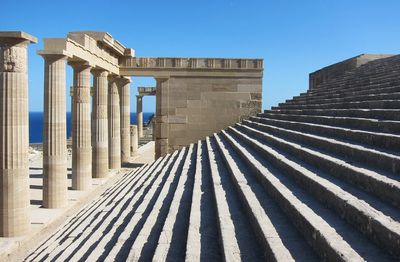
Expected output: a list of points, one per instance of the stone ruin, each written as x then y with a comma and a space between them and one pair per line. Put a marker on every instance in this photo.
315, 178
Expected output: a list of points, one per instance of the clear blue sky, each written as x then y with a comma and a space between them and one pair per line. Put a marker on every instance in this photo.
294, 37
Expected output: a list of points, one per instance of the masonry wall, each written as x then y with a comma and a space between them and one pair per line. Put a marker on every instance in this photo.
191, 108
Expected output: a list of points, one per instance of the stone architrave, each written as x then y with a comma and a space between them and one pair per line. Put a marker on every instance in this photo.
125, 117
139, 115
81, 128
100, 124
114, 138
14, 137
54, 131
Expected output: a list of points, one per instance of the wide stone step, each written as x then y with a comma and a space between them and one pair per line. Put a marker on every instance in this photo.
352, 152
173, 237
354, 82
237, 235
380, 114
346, 93
203, 226
85, 214
83, 242
76, 227
145, 244
121, 244
358, 80
379, 228
388, 142
379, 104
310, 219
269, 239
368, 124
369, 97
377, 184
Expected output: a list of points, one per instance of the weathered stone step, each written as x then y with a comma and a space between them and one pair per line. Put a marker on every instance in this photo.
346, 93
385, 80
369, 97
379, 185
380, 114
173, 237
362, 154
356, 80
369, 124
121, 244
269, 239
237, 236
388, 142
145, 244
379, 104
52, 245
81, 242
323, 238
379, 228
203, 230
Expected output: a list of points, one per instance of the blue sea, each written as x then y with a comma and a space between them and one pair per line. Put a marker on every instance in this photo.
36, 125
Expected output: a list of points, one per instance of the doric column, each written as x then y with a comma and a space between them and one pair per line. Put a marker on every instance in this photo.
54, 131
125, 117
14, 138
81, 132
139, 115
134, 140
100, 124
114, 139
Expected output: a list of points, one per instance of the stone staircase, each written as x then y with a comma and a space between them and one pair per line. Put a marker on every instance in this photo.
316, 178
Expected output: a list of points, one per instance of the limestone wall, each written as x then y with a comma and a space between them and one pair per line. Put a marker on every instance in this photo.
325, 74
191, 108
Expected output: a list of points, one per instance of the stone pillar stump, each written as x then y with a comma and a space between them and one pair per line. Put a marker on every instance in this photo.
134, 140
139, 115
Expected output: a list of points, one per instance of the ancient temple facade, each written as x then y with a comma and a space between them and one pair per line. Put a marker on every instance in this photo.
195, 97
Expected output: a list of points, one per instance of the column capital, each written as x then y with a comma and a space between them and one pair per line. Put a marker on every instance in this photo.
16, 38
80, 65
100, 72
56, 55
123, 80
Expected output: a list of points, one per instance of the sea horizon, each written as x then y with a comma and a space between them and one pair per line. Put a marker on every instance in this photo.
36, 124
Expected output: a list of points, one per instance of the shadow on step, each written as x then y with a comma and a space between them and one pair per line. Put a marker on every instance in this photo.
131, 165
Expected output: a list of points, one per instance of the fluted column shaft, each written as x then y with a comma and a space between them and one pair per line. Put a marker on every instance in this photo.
14, 138
100, 124
139, 115
54, 133
114, 139
125, 100
81, 129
